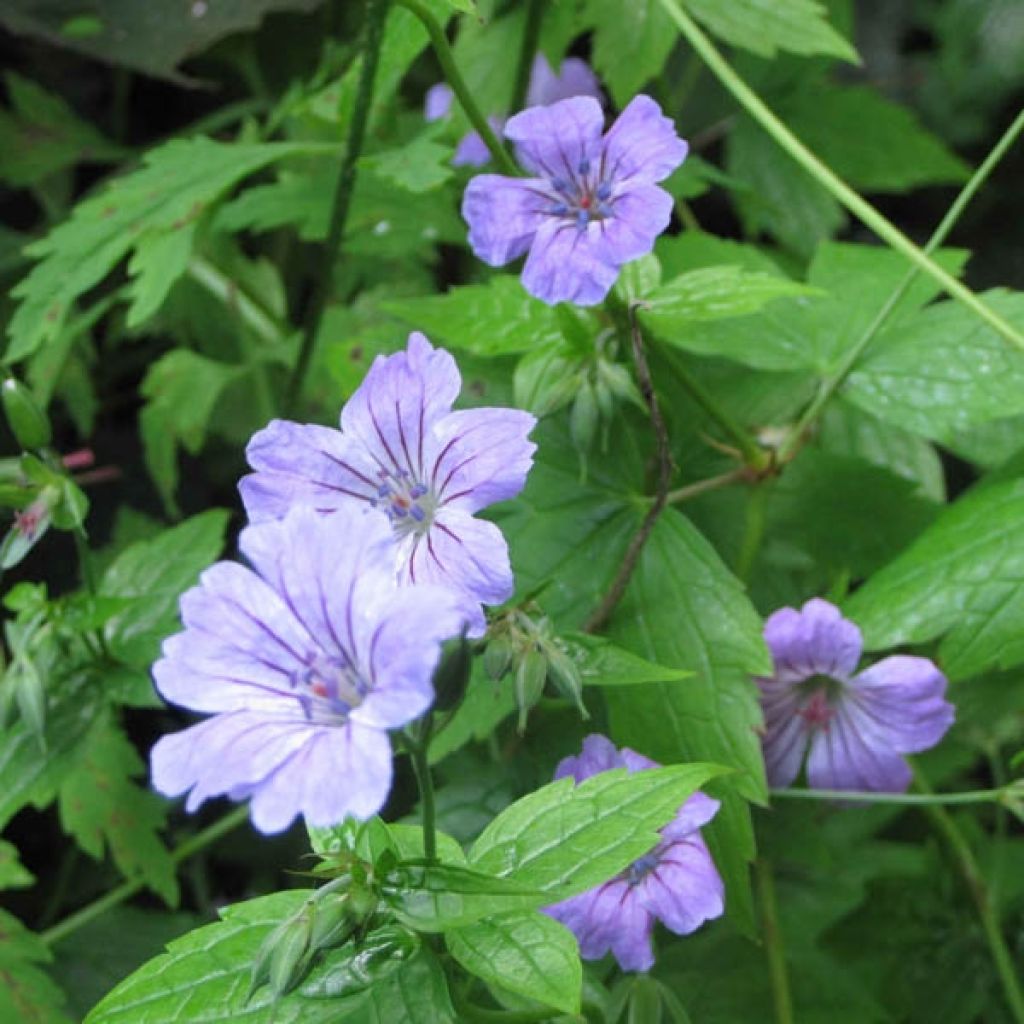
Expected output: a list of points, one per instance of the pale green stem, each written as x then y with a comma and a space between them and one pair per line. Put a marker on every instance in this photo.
714, 483
832, 385
62, 929
976, 796
771, 935
825, 176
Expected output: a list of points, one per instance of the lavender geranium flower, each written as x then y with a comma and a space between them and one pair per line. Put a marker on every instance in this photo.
573, 78
304, 665
856, 727
401, 449
676, 883
592, 205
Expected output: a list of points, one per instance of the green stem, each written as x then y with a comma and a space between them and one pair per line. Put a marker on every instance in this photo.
125, 891
714, 483
977, 796
1006, 969
418, 748
832, 385
454, 78
531, 39
84, 558
753, 454
376, 12
771, 934
858, 206
753, 531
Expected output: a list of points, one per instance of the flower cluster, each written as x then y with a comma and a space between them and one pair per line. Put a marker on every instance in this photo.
676, 883
853, 729
366, 556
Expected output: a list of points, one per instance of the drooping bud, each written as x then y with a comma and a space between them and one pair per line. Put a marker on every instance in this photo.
564, 675
28, 423
531, 674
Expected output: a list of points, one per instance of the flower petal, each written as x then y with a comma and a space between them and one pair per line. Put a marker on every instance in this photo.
472, 151
302, 463
461, 553
903, 697
479, 456
631, 935
568, 264
553, 141
643, 144
504, 214
401, 397
698, 810
845, 756
438, 102
640, 213
599, 754
574, 78
685, 889
816, 640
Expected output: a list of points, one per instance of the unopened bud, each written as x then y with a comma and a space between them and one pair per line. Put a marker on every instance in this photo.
289, 961
584, 417
499, 656
565, 677
530, 676
332, 922
29, 425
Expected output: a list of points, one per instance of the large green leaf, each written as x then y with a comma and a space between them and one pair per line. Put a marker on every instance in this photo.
962, 580
565, 838
528, 953
27, 995
153, 211
684, 608
155, 573
101, 807
944, 371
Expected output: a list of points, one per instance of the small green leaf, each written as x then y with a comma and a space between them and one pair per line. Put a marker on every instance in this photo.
27, 993
527, 953
602, 663
420, 166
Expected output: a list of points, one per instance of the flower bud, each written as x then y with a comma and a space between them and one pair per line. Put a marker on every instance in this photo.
28, 423
584, 417
499, 656
333, 922
290, 958
564, 676
530, 676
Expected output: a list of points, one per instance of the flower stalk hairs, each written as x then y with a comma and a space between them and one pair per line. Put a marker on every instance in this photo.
304, 663
852, 728
592, 202
677, 883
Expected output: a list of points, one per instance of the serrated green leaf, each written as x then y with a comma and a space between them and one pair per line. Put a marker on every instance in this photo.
530, 954
564, 838
419, 166
181, 389
944, 371
156, 572
436, 898
684, 608
138, 211
101, 807
497, 318
961, 580
27, 995
766, 26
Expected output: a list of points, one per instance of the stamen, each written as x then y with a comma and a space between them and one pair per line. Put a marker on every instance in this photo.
604, 191
584, 167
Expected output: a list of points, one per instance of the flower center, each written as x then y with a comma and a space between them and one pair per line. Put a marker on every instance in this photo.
818, 711
642, 867
408, 503
328, 688
582, 197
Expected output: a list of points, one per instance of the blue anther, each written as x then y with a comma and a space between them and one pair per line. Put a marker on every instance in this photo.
560, 210
584, 167
417, 513
560, 185
582, 218
383, 491
418, 491
604, 190
397, 510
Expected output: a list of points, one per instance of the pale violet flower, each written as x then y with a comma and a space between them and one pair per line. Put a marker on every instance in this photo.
402, 449
304, 663
677, 883
591, 205
573, 78
852, 728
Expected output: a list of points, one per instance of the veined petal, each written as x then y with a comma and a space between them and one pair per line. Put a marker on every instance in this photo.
599, 754
816, 640
685, 889
640, 212
462, 553
303, 463
569, 264
574, 78
843, 756
395, 407
479, 456
901, 704
631, 937
553, 141
504, 214
698, 810
642, 144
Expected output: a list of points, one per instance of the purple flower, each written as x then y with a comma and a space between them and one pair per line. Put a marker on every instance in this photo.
574, 78
856, 726
592, 205
402, 449
676, 883
304, 665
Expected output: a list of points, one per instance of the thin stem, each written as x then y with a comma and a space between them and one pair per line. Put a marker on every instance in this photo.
376, 12
771, 933
418, 748
1006, 969
454, 78
713, 483
531, 39
976, 796
84, 558
753, 531
601, 614
832, 385
825, 176
125, 891
753, 454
